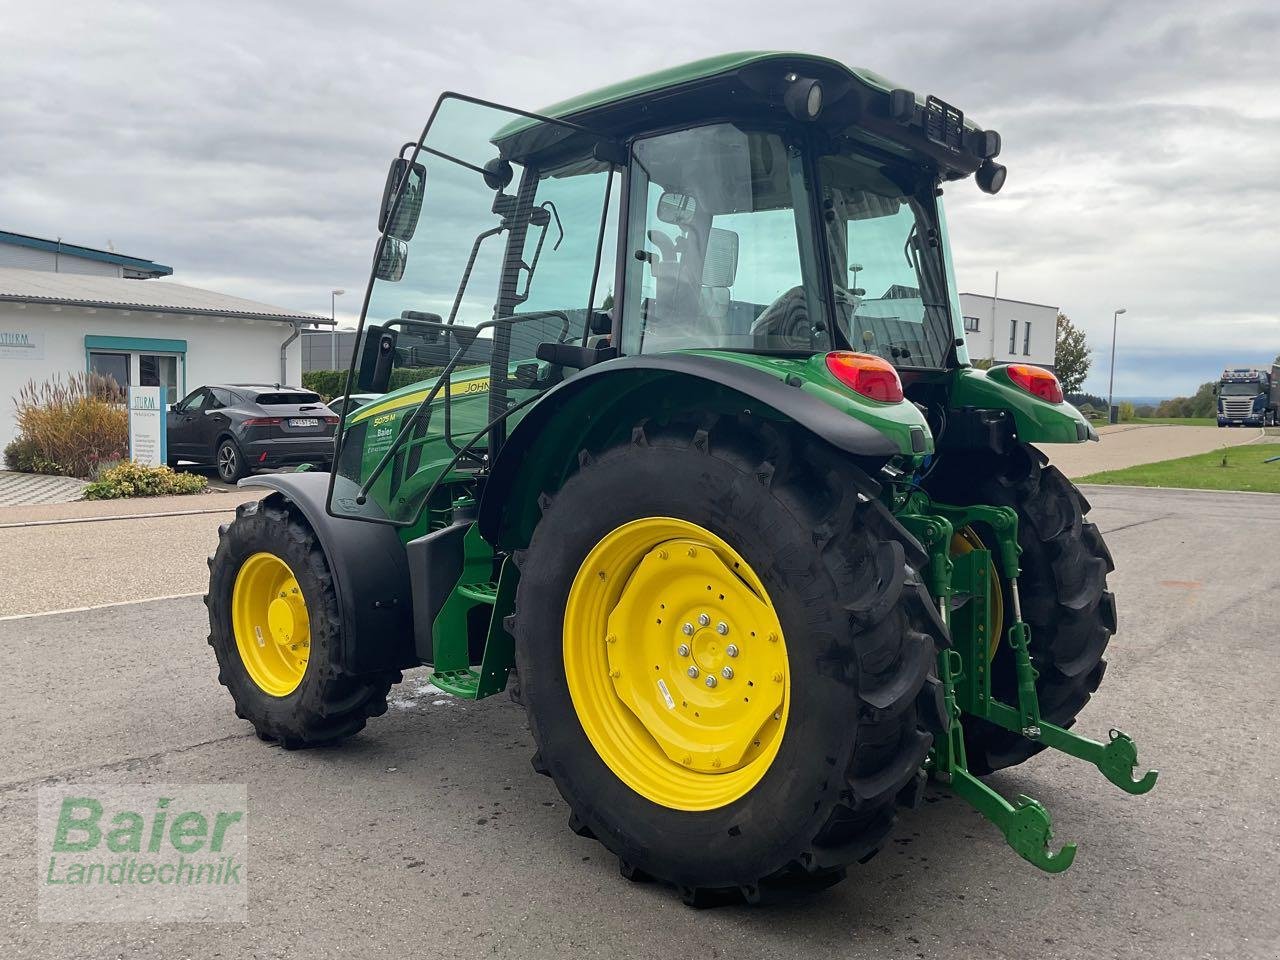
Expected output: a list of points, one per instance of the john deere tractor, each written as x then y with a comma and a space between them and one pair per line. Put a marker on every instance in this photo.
686, 452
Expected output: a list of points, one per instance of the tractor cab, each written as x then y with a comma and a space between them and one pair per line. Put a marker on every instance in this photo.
773, 206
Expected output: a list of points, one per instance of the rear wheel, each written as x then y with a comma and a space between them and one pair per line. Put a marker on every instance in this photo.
229, 461
1063, 589
727, 658
274, 627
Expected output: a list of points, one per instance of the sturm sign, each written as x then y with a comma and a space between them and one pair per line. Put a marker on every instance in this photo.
21, 344
117, 852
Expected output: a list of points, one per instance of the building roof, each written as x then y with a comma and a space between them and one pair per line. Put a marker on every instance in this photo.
1025, 303
137, 265
156, 296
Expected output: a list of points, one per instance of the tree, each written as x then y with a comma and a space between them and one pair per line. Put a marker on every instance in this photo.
1071, 355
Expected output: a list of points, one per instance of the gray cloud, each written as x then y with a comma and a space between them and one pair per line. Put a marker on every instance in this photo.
246, 143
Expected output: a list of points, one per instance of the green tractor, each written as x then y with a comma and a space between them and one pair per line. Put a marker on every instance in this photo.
678, 441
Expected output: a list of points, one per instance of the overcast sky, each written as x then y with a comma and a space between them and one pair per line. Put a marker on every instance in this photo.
245, 144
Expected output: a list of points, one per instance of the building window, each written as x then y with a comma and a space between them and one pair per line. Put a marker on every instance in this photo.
1026, 340
1013, 336
159, 370
970, 324
113, 365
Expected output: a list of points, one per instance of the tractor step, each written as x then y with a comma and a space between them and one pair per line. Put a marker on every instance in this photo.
479, 592
464, 684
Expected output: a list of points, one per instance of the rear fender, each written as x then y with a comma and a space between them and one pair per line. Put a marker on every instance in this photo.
370, 573
599, 407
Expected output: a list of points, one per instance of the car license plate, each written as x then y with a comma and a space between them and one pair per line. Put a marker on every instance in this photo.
304, 422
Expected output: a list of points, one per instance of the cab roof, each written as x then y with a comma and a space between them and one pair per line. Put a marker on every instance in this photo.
750, 86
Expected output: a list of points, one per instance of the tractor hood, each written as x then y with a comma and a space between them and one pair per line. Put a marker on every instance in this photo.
765, 86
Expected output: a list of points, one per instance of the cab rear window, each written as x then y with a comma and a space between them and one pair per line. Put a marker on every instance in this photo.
278, 399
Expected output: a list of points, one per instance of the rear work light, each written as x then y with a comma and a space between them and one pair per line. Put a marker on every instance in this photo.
1037, 381
871, 376
263, 421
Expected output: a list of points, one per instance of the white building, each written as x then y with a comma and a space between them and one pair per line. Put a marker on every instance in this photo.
142, 332
1009, 331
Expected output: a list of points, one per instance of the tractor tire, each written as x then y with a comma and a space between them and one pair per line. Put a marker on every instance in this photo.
275, 630
1063, 589
858, 700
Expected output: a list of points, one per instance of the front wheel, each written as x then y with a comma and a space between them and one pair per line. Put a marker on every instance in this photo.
275, 630
727, 658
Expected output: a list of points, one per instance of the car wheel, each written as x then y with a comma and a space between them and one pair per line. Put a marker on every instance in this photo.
230, 461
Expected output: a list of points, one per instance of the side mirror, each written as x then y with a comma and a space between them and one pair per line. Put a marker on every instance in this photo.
393, 254
402, 199
377, 356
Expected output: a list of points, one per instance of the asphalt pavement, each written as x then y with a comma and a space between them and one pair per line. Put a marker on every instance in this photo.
430, 834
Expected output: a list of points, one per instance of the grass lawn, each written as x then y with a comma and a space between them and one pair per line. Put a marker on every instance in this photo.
1178, 421
1244, 469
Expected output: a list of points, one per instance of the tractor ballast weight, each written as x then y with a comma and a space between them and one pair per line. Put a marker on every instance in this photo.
688, 454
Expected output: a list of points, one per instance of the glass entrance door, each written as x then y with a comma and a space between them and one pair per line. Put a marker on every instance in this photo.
159, 370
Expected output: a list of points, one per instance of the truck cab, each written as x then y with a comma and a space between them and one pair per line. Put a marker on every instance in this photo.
1248, 396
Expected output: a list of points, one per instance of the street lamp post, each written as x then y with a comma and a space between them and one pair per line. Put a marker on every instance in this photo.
1111, 388
333, 330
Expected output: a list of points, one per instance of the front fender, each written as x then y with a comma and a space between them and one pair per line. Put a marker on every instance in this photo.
600, 406
369, 569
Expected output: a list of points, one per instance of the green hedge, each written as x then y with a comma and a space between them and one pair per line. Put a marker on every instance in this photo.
333, 383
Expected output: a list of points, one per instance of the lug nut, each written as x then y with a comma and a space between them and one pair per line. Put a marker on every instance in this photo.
693, 672
711, 680
688, 629
727, 673
683, 649
731, 649
722, 628
703, 619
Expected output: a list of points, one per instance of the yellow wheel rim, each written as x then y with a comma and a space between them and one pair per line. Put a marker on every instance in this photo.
676, 663
966, 540
269, 618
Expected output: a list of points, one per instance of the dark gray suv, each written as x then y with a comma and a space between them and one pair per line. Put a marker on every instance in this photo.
240, 427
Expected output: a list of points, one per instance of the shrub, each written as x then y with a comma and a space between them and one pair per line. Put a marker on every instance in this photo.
70, 427
1126, 412
129, 479
327, 383
21, 455
333, 383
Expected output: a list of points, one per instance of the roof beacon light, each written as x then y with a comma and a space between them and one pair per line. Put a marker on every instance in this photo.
803, 97
1037, 381
872, 376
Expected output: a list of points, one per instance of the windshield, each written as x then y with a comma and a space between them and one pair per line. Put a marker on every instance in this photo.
887, 263
1241, 389
501, 259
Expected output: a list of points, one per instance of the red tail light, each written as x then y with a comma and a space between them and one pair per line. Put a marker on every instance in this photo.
331, 420
1037, 381
871, 376
263, 421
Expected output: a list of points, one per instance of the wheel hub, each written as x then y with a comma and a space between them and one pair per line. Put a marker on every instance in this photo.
272, 629
694, 653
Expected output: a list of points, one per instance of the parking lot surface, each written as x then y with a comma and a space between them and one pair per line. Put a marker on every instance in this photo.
429, 833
